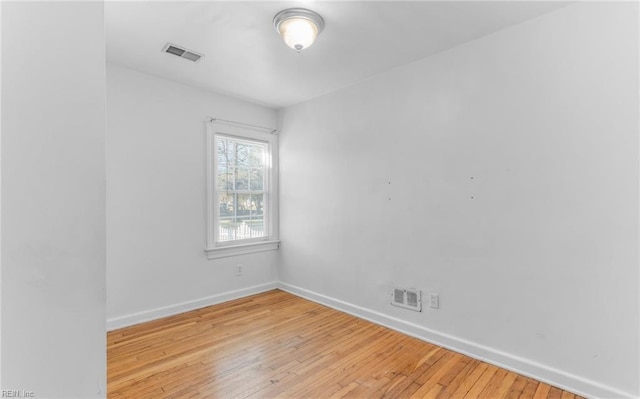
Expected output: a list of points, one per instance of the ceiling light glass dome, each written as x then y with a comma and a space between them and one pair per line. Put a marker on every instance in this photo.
298, 27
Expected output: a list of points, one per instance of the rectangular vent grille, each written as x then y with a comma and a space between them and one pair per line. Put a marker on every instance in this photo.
408, 298
182, 52
398, 296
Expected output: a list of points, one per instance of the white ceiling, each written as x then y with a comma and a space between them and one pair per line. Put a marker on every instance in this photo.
244, 56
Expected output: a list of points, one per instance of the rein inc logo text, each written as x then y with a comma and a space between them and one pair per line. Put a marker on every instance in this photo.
16, 393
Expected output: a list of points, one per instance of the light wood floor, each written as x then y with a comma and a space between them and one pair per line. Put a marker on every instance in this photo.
278, 345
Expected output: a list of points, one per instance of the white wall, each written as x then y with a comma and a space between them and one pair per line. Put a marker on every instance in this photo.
0, 197
53, 199
156, 200
503, 175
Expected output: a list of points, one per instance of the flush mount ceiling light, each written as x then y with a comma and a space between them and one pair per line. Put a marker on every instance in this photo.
298, 27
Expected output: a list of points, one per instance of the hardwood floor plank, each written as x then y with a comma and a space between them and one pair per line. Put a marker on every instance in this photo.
481, 383
517, 387
542, 391
494, 383
554, 393
529, 389
344, 391
466, 384
428, 385
277, 345
433, 392
503, 389
458, 378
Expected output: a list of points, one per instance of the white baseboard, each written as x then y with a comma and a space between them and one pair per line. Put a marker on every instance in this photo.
561, 379
148, 315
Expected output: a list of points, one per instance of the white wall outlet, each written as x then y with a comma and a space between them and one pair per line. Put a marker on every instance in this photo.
238, 270
434, 301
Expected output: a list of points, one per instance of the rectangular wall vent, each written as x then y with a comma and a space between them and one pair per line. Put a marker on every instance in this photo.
408, 298
182, 52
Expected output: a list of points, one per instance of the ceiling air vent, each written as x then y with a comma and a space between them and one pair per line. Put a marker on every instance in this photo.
182, 52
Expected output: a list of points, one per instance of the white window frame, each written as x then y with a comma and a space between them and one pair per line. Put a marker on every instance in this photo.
214, 248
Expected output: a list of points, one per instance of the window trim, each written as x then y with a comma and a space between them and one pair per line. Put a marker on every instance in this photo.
219, 127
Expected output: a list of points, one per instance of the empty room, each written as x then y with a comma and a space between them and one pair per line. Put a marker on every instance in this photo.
320, 199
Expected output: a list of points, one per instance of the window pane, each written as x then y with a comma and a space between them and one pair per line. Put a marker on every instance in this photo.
242, 178
227, 205
241, 216
227, 230
244, 205
241, 167
226, 149
241, 230
225, 178
257, 201
256, 228
242, 154
256, 179
222, 149
256, 156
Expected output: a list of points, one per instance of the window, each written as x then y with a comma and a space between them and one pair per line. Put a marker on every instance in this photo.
241, 189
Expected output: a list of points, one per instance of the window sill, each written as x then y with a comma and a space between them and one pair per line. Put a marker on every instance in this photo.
233, 250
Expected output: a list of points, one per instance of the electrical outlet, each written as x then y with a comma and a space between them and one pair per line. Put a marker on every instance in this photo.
434, 301
238, 270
